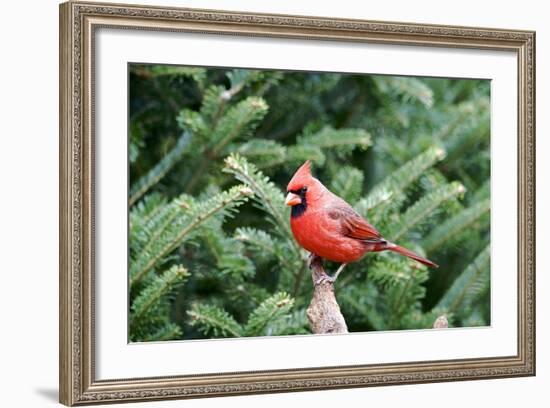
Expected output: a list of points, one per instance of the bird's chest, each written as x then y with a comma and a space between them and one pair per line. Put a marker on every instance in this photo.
317, 233
305, 228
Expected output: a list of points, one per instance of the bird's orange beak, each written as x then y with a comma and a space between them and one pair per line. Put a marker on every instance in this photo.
292, 199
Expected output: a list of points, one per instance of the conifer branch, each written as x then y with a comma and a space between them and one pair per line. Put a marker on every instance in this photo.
170, 331
407, 88
423, 207
482, 192
465, 141
158, 288
146, 229
216, 98
263, 151
468, 285
192, 219
164, 219
264, 244
348, 182
148, 207
456, 225
270, 311
211, 319
362, 299
401, 178
399, 302
271, 200
160, 170
389, 271
152, 71
269, 197
299, 153
465, 117
214, 102
343, 140
192, 122
144, 211
239, 121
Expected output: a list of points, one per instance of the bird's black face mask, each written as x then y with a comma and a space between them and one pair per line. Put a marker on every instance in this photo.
299, 209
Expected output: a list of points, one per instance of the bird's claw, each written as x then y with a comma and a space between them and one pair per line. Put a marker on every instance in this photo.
323, 279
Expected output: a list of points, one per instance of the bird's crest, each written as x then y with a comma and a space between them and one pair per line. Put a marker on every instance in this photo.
301, 177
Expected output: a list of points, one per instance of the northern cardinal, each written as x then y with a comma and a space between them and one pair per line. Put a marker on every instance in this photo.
327, 226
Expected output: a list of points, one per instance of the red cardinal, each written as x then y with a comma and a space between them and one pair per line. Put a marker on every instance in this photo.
327, 226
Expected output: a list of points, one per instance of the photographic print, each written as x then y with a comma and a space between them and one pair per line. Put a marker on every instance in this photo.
275, 203
259, 203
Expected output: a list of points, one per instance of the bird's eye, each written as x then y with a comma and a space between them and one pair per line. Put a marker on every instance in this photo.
303, 190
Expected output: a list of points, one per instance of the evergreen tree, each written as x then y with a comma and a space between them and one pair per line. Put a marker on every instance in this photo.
211, 152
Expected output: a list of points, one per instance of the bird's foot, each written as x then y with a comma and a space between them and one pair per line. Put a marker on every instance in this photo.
325, 278
331, 279
312, 259
340, 269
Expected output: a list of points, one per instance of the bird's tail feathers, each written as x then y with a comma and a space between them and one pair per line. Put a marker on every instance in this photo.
404, 251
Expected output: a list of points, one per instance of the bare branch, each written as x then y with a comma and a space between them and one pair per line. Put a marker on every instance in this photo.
324, 313
441, 322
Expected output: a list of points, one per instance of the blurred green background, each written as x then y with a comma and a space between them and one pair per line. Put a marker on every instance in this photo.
211, 152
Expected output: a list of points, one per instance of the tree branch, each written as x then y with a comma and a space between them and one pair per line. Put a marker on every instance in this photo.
323, 312
441, 322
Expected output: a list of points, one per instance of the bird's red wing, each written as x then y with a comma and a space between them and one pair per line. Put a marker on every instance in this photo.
353, 225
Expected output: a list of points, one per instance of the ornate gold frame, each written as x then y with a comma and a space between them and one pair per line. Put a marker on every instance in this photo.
78, 22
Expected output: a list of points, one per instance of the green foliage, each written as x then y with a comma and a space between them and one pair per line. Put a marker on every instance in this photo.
211, 152
214, 321
271, 311
151, 71
469, 287
179, 222
407, 90
456, 225
341, 141
400, 179
148, 306
268, 197
420, 210
348, 181
270, 315
159, 171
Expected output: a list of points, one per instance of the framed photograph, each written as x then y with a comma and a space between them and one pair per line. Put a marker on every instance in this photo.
255, 203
